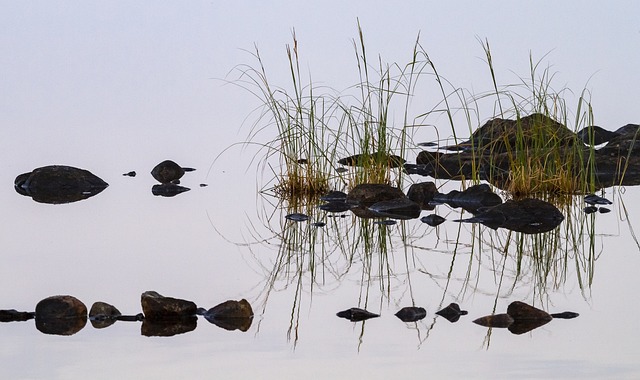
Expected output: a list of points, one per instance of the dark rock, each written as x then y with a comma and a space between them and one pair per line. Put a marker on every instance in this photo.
411, 314
529, 216
168, 327
452, 312
365, 160
168, 171
593, 199
203, 185
297, 217
565, 315
168, 190
369, 193
334, 195
335, 206
525, 325
59, 184
130, 174
428, 144
319, 224
399, 208
471, 199
496, 320
386, 222
60, 315
590, 209
423, 193
103, 315
356, 314
432, 220
521, 311
604, 210
157, 307
13, 315
231, 315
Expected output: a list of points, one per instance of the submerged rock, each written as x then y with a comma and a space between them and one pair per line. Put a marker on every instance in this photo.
130, 174
452, 312
60, 315
334, 195
57, 184
593, 199
231, 315
365, 160
386, 222
168, 190
496, 320
168, 171
158, 307
355, 314
335, 206
367, 194
433, 220
411, 314
529, 216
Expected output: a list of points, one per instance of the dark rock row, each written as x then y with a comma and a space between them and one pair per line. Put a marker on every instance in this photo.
13, 315
399, 208
168, 190
60, 315
355, 314
433, 220
231, 315
367, 194
365, 160
411, 314
529, 216
168, 327
158, 307
168, 171
57, 184
452, 312
422, 193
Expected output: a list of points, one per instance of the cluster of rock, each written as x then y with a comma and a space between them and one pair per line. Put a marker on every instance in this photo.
384, 201
490, 150
161, 316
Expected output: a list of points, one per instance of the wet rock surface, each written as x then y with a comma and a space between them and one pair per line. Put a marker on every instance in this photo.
369, 193
411, 314
231, 315
169, 172
423, 193
452, 312
399, 208
57, 184
60, 315
158, 307
355, 314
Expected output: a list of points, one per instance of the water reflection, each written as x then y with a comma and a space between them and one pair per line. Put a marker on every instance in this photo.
324, 249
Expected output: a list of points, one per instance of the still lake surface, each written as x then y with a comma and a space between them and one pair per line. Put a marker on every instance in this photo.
216, 243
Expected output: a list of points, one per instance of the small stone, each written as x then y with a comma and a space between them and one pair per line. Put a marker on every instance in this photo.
156, 306
433, 220
356, 314
411, 314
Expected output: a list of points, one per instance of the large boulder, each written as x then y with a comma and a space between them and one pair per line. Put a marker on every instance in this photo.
56, 184
158, 307
60, 315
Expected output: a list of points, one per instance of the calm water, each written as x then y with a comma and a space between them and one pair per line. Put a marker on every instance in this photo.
210, 244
